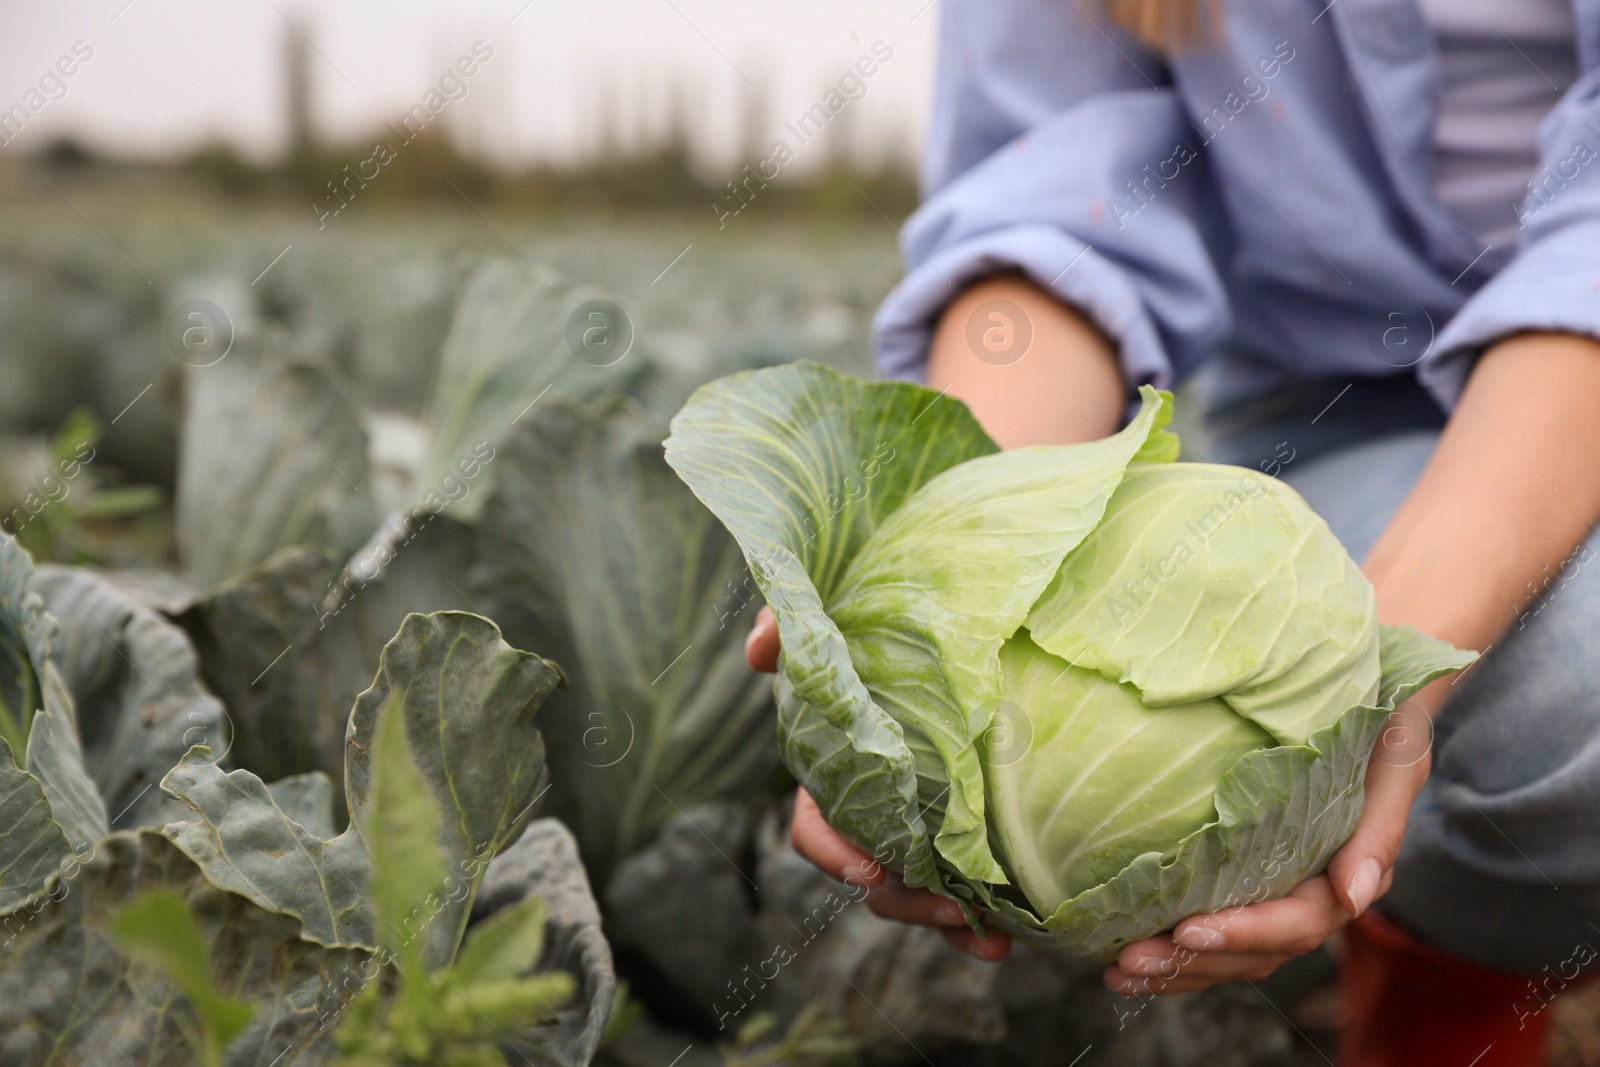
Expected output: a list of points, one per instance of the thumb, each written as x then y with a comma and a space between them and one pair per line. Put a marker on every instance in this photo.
1359, 872
761, 646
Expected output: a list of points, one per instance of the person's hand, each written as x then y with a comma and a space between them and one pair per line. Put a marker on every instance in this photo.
1251, 941
1243, 943
886, 894
761, 644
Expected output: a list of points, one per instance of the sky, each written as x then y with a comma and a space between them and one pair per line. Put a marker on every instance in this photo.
165, 76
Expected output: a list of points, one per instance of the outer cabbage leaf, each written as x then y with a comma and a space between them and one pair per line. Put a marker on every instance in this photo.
135, 689
801, 465
245, 843
507, 347
53, 759
24, 641
1282, 813
32, 846
1173, 592
273, 455
591, 550
928, 600
467, 699
544, 865
308, 800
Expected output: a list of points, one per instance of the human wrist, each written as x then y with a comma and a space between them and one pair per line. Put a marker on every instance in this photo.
1432, 696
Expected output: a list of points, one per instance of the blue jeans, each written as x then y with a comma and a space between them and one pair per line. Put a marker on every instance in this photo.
1501, 862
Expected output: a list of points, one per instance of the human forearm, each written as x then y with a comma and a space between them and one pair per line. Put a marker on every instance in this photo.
1511, 490
1067, 387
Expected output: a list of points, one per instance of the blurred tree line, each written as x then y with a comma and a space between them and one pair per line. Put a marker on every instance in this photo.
663, 172
662, 178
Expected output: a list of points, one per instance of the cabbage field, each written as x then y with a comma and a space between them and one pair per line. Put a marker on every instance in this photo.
372, 690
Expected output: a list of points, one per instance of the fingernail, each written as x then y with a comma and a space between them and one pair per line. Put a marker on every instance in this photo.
1364, 884
1155, 965
1199, 938
980, 950
949, 914
1132, 987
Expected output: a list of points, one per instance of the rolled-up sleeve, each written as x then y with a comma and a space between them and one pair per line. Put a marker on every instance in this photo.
1553, 281
1057, 149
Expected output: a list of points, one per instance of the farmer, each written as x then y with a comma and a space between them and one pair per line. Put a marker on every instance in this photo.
1369, 231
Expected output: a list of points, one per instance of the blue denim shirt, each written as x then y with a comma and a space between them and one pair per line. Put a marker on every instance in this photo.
1270, 193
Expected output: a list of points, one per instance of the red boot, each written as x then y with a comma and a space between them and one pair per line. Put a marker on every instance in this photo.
1409, 1005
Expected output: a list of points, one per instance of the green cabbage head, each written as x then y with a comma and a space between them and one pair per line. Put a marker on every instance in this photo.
1084, 690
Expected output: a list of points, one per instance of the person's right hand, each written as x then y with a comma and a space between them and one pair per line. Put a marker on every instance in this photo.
818, 842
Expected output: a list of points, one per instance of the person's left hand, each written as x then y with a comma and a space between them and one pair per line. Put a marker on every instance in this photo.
1251, 941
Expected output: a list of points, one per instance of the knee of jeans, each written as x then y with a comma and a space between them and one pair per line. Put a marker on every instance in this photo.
1529, 709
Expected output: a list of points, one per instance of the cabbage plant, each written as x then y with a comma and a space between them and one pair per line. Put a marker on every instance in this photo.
635, 590
290, 920
1084, 690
